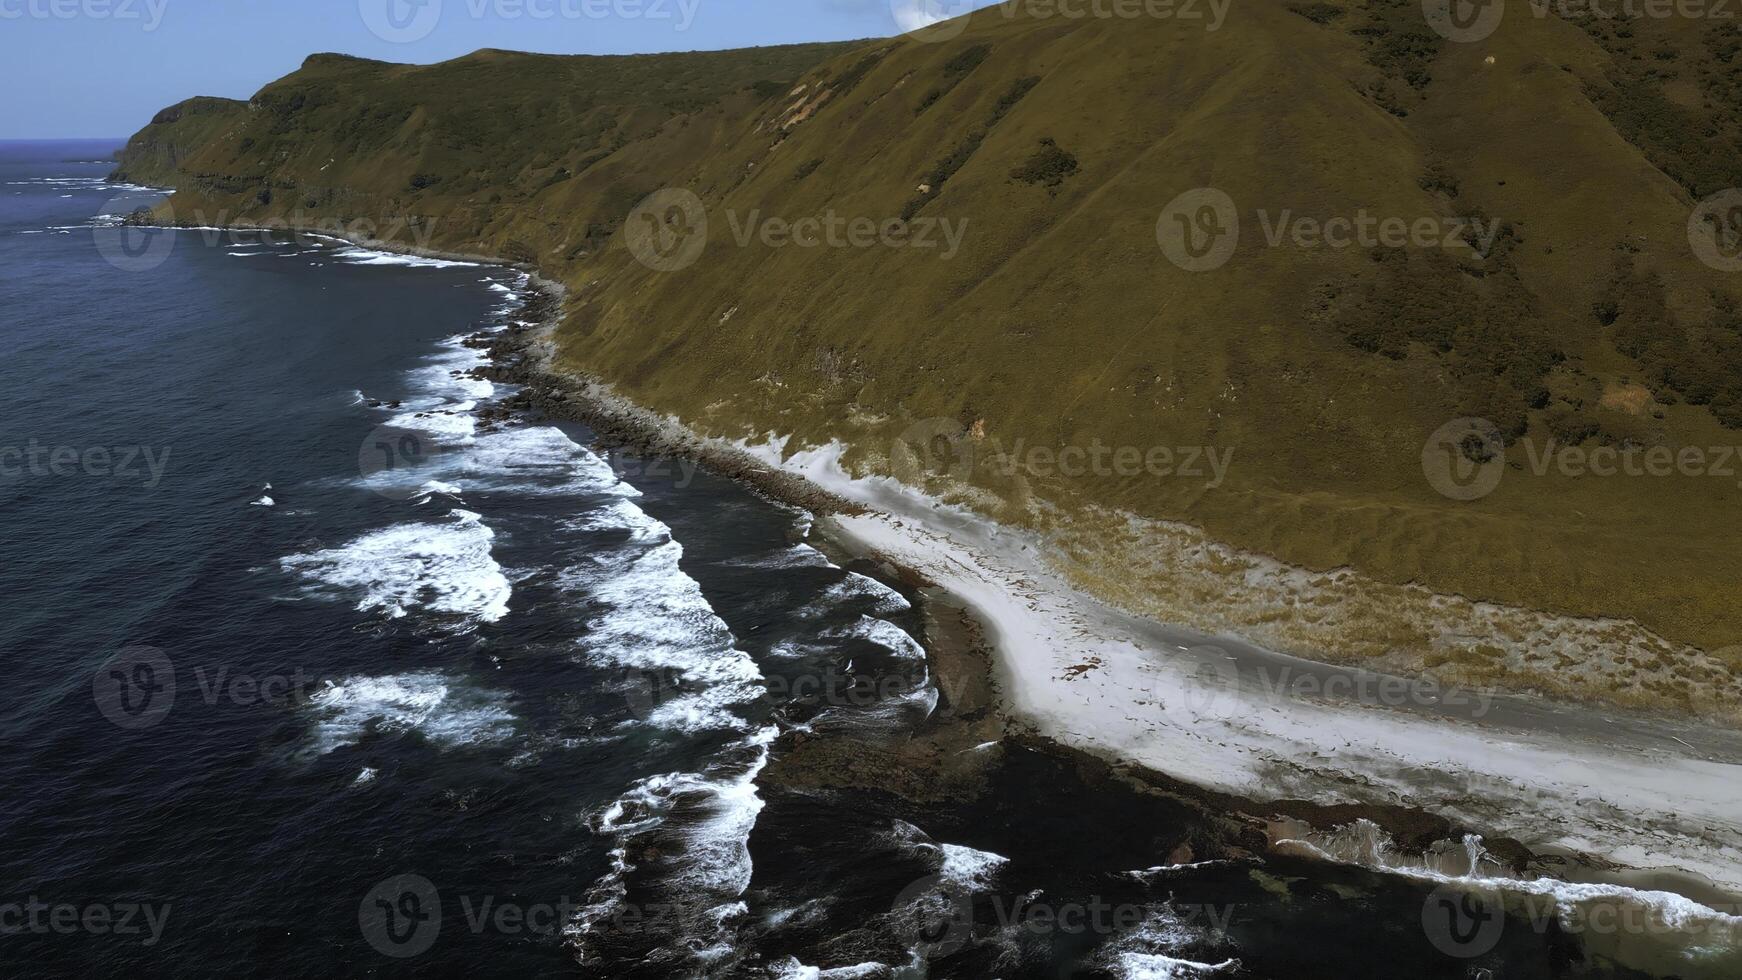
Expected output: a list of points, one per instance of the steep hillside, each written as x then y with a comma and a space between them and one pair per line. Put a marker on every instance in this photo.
1072, 297
154, 155
485, 149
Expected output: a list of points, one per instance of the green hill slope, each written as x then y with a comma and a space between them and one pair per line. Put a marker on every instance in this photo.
154, 155
1545, 281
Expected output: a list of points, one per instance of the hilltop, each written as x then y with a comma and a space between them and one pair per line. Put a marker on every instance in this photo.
154, 155
1556, 295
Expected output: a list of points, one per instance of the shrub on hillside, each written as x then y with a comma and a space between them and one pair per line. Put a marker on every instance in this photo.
1049, 166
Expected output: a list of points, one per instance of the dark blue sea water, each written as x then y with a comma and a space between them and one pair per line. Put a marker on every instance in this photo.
313, 672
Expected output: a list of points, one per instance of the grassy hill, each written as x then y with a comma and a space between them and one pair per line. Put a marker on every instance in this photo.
1562, 158
154, 155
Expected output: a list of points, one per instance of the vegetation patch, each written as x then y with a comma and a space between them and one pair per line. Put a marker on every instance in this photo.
1489, 341
1697, 149
965, 150
955, 70
1049, 166
1399, 45
1700, 364
1318, 13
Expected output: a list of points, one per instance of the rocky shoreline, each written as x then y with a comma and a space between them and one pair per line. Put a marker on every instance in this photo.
930, 764
939, 760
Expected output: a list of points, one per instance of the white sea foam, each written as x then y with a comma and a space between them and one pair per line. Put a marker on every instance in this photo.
854, 587
967, 868
1160, 966
1467, 865
791, 969
526, 460
1146, 953
650, 617
653, 619
797, 556
453, 427
431, 488
444, 376
883, 633
356, 255
717, 809
536, 460
963, 869
1161, 870
443, 567
437, 707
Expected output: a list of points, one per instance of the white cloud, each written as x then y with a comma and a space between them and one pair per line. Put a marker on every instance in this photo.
911, 15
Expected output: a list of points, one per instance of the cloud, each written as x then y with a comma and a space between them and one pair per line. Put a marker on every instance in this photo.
912, 15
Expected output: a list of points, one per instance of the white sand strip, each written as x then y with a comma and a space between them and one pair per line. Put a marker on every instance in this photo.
1072, 670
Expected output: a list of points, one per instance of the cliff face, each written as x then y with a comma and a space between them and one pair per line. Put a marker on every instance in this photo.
1017, 237
154, 155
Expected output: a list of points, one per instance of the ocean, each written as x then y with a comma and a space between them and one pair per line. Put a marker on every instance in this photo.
326, 657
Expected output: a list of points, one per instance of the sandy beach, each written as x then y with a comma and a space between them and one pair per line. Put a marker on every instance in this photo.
1660, 810
1614, 808
1641, 801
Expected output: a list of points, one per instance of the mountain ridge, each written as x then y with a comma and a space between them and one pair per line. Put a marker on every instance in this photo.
1063, 323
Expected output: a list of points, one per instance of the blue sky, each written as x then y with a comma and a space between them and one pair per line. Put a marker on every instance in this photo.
102, 68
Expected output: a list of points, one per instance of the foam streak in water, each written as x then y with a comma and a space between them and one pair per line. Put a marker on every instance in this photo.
444, 567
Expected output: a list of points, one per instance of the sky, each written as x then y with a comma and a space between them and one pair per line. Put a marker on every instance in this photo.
103, 68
